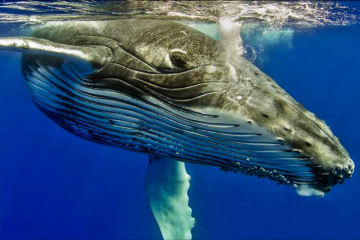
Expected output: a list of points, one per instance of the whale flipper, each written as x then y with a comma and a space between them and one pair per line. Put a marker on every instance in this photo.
167, 184
88, 58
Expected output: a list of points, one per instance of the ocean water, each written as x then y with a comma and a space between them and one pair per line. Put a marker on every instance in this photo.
54, 185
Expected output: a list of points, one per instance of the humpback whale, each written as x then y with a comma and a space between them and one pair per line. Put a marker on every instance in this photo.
169, 90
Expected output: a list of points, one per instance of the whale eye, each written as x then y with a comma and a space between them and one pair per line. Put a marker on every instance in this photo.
178, 59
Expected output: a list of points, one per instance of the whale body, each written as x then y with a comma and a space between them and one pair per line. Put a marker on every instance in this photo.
168, 90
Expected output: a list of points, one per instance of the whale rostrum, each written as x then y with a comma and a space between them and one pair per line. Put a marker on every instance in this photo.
168, 90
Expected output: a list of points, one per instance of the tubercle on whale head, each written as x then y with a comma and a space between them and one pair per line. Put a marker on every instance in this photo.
319, 182
322, 183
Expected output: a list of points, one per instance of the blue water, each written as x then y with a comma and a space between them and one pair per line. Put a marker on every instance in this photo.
54, 185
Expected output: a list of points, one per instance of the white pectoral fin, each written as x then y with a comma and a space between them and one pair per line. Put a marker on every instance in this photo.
88, 58
167, 184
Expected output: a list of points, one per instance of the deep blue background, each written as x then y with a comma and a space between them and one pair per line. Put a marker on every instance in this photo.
56, 185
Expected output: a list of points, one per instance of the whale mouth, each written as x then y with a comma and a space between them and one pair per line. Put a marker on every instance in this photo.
308, 180
327, 181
